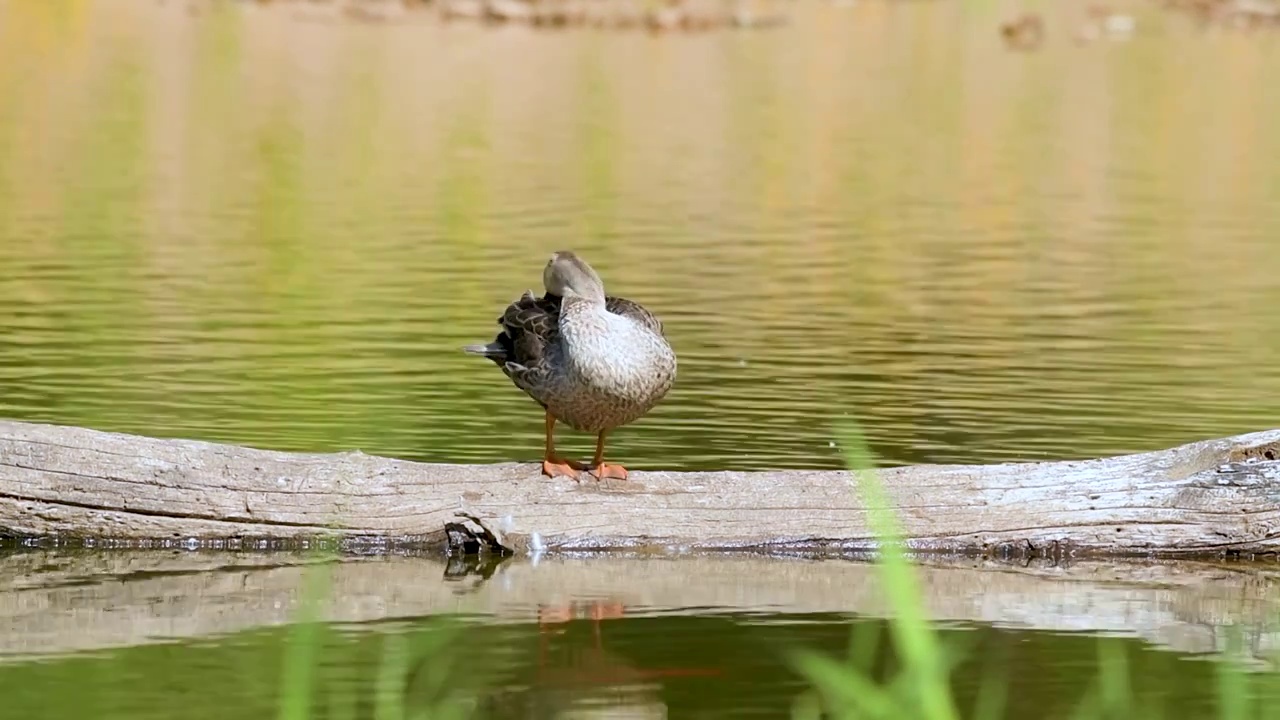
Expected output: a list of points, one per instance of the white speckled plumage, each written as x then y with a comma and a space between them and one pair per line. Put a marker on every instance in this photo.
611, 370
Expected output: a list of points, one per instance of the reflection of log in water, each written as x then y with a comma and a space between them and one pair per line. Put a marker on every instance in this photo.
56, 602
65, 484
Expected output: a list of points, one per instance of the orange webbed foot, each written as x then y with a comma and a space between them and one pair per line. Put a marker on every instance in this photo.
554, 614
606, 470
555, 467
608, 610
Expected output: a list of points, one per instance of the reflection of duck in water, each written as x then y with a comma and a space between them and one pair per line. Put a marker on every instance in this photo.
577, 680
594, 665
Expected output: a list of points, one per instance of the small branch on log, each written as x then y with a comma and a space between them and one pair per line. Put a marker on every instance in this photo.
468, 535
66, 485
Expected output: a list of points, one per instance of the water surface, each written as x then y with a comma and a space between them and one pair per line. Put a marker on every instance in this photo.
138, 634
250, 224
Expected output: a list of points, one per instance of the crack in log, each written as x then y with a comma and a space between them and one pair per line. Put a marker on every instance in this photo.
212, 488
169, 486
168, 513
77, 448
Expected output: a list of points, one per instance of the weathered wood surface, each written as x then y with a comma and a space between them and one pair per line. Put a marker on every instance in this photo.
57, 601
79, 485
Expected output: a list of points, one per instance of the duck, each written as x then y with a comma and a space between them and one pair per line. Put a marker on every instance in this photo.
593, 361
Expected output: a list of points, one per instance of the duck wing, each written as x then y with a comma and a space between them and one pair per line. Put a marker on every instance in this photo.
531, 323
529, 327
633, 310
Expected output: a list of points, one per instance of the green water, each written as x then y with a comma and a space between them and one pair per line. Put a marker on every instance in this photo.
179, 634
272, 225
710, 665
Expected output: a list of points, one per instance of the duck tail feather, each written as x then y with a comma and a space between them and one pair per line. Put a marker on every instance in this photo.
489, 350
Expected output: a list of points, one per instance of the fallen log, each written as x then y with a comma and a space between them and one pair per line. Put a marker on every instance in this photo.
61, 485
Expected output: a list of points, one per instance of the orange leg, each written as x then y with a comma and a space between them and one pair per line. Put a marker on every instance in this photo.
551, 464
599, 469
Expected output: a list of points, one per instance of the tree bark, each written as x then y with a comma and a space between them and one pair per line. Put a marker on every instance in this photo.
61, 485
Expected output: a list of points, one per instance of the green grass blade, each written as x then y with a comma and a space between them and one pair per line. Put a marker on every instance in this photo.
914, 638
1087, 708
806, 706
388, 702
1115, 692
843, 689
864, 646
1233, 689
303, 647
993, 693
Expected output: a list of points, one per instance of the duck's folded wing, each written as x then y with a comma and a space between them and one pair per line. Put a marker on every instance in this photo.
531, 323
633, 310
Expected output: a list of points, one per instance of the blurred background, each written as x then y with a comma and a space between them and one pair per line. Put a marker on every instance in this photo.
276, 223
986, 231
